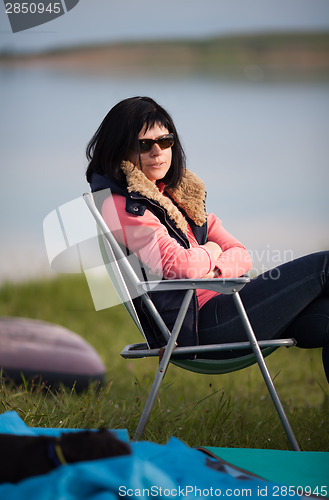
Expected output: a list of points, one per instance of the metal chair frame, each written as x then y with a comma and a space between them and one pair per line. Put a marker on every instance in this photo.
116, 262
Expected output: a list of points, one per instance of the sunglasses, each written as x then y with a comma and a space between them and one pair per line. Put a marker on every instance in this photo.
164, 142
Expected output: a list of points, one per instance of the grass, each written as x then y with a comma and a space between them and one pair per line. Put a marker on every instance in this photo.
231, 410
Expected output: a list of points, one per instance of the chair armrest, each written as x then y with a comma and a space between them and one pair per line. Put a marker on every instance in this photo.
220, 285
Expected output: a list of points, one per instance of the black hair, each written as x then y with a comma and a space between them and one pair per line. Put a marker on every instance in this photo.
117, 135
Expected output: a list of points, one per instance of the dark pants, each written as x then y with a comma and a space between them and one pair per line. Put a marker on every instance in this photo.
291, 300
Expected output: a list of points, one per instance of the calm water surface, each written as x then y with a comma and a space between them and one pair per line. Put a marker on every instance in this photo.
260, 146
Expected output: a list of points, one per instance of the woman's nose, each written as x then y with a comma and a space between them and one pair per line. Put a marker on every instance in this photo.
155, 150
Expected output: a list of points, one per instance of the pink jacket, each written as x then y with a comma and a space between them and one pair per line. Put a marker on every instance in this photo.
150, 241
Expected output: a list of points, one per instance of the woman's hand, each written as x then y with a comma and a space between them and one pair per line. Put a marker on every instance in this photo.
213, 248
215, 273
215, 251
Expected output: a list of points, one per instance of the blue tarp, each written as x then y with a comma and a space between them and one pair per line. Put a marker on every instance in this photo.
171, 471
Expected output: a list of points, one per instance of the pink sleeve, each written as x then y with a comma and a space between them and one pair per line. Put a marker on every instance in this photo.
146, 237
235, 259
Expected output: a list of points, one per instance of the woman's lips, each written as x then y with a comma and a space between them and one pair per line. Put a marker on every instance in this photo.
156, 165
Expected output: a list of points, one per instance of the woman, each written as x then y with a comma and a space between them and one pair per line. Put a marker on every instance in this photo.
136, 153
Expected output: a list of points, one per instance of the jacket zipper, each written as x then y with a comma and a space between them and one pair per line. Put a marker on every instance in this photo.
186, 243
196, 307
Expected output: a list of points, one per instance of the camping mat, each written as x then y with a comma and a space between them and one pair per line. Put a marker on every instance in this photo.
170, 470
293, 468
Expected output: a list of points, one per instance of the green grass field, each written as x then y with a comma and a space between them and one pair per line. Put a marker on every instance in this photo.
232, 410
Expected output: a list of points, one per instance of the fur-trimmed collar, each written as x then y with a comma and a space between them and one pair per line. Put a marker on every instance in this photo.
189, 195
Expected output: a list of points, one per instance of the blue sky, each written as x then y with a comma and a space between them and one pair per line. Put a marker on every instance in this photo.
93, 21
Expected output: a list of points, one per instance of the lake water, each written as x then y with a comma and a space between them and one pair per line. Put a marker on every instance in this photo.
260, 145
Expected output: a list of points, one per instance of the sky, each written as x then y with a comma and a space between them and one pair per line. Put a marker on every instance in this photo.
99, 21
37, 128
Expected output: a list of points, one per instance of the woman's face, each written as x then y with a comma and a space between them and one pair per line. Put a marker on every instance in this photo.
154, 163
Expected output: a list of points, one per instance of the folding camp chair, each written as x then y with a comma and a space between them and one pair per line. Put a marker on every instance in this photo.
120, 271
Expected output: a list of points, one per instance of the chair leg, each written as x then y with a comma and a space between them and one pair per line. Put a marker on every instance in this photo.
266, 374
163, 365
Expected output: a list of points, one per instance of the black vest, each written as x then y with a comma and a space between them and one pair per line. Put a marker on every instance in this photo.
168, 304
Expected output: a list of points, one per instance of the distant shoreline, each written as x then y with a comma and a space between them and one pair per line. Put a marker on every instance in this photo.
288, 51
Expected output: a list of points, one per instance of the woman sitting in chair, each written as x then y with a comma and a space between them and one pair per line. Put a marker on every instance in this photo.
136, 153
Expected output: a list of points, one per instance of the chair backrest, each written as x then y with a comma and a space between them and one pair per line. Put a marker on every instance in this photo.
117, 279
116, 263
